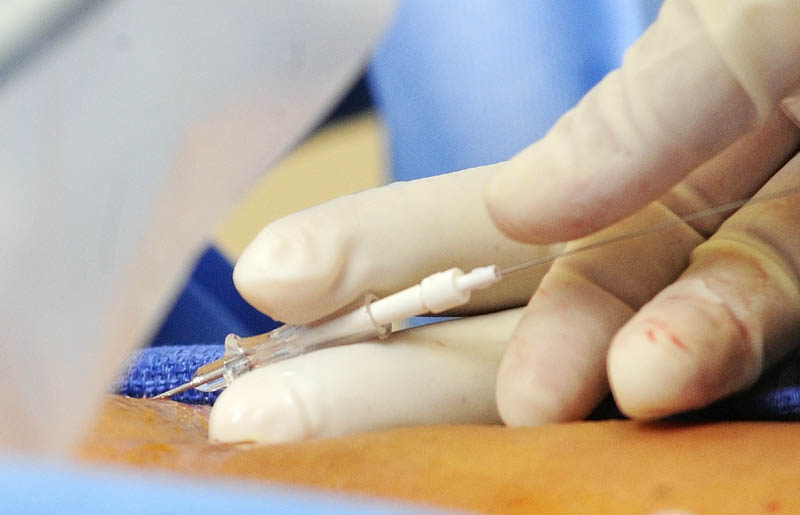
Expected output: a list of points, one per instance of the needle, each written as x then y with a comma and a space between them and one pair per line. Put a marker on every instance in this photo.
178, 389
721, 208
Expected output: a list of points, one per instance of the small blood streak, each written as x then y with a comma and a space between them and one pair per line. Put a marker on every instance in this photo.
677, 341
773, 506
664, 327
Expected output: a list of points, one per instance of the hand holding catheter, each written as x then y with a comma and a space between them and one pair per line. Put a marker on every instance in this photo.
435, 294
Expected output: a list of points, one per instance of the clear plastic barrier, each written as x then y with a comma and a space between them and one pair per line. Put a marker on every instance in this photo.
122, 142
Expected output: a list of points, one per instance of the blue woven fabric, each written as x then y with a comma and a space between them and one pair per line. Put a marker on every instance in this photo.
776, 404
192, 333
776, 396
157, 369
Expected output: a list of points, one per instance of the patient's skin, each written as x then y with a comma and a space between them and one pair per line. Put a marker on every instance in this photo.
588, 467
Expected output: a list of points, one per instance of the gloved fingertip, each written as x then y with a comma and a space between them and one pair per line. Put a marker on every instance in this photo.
525, 206
520, 401
505, 208
288, 271
521, 407
259, 408
682, 351
646, 382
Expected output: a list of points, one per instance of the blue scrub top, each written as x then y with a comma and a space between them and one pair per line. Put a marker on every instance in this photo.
469, 83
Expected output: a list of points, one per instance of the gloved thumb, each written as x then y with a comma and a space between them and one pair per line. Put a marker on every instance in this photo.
435, 374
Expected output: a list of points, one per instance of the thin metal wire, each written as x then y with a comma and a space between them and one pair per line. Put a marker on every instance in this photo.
721, 208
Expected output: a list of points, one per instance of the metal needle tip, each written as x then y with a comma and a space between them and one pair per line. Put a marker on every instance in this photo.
178, 389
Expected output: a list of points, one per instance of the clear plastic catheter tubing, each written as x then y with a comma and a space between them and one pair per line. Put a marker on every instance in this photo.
435, 294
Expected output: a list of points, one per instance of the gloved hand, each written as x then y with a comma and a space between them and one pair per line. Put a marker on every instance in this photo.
313, 263
697, 115
435, 374
692, 118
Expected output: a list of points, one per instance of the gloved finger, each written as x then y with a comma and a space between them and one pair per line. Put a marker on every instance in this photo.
704, 74
736, 173
734, 312
554, 369
435, 374
312, 263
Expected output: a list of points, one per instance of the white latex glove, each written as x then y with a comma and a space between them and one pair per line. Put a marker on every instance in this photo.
700, 105
692, 118
312, 263
436, 374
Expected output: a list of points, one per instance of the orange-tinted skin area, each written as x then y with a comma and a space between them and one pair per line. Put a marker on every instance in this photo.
588, 467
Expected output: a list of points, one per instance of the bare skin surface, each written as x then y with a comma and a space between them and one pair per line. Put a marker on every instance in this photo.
587, 467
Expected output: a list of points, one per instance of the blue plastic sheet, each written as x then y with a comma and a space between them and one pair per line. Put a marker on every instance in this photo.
32, 488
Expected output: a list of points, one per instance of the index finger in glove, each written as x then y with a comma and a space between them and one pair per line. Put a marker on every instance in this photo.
312, 263
704, 74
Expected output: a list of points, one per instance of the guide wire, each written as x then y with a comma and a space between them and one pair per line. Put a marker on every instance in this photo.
721, 208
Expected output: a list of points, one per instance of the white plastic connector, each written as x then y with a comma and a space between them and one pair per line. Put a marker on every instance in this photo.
440, 292
479, 278
435, 294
